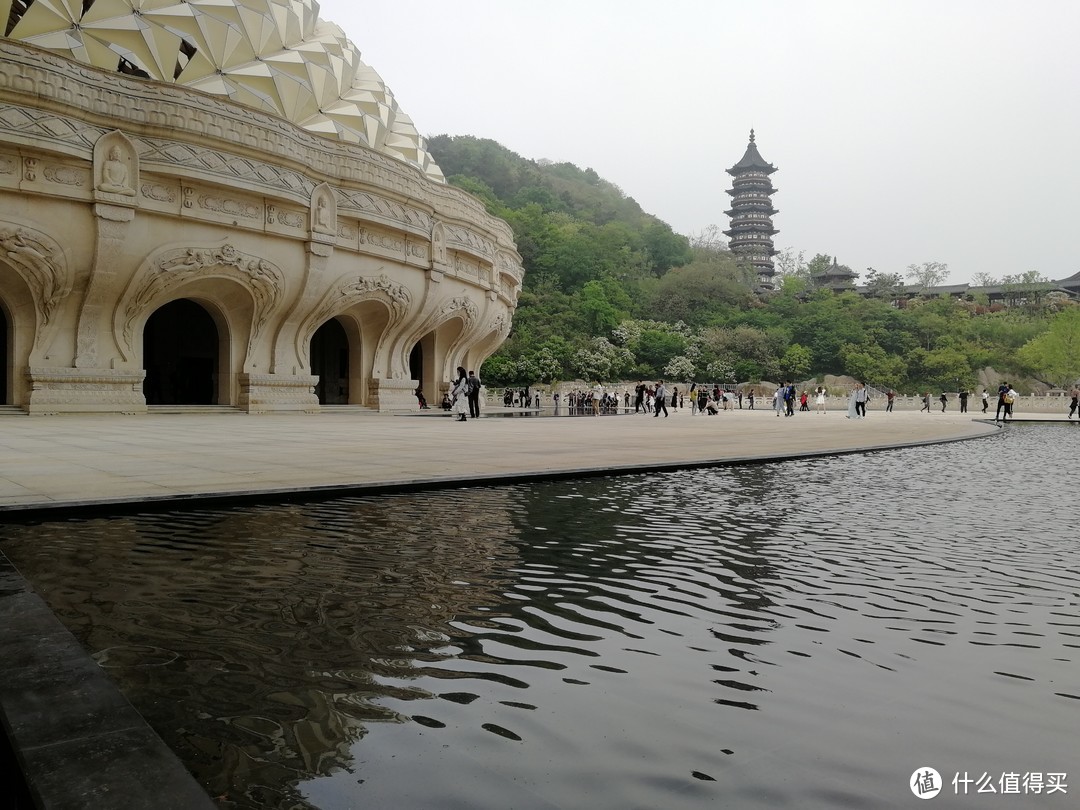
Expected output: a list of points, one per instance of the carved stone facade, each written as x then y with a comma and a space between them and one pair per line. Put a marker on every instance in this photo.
119, 198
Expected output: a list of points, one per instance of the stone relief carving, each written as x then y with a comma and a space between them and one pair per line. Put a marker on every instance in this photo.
116, 165
30, 169
7, 165
263, 279
438, 243
346, 231
323, 210
364, 288
291, 219
382, 240
472, 241
65, 175
466, 308
40, 265
418, 250
224, 205
156, 191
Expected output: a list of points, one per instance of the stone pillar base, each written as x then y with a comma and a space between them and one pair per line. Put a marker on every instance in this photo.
393, 395
277, 393
85, 390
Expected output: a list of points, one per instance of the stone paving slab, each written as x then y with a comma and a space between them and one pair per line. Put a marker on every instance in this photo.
49, 463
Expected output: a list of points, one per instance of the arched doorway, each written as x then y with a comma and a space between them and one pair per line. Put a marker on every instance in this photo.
180, 355
330, 362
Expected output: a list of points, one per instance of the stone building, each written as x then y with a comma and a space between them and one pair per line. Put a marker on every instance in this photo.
751, 233
219, 203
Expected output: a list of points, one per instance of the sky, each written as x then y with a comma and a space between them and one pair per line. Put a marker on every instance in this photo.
902, 132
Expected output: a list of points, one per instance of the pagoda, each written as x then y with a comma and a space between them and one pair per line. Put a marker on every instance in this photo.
751, 234
836, 277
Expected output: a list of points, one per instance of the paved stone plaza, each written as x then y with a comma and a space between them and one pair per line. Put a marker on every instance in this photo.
71, 461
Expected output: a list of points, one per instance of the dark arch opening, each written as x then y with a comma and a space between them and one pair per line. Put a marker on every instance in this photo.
330, 362
416, 364
180, 354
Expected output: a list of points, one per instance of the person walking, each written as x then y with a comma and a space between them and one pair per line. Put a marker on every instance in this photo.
1008, 400
925, 403
890, 398
1002, 390
661, 397
860, 400
1074, 406
750, 400
963, 397
985, 400
474, 395
639, 398
944, 401
674, 397
819, 399
459, 395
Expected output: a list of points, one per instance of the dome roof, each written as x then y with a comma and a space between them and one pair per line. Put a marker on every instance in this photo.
274, 55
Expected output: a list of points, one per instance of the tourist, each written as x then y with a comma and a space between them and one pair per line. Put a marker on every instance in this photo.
804, 399
750, 399
1008, 399
852, 408
660, 397
890, 397
474, 395
925, 403
861, 397
985, 400
446, 403
1002, 390
459, 395
778, 400
963, 397
421, 399
693, 398
703, 399
944, 401
740, 399
1074, 406
639, 397
674, 398
597, 395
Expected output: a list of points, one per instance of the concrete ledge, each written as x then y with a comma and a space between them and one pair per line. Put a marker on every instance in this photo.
77, 740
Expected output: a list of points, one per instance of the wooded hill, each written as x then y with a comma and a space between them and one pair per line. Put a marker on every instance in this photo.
612, 293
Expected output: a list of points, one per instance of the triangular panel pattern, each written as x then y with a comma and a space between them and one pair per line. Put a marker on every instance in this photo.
274, 55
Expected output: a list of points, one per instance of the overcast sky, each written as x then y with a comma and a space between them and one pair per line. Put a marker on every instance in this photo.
903, 132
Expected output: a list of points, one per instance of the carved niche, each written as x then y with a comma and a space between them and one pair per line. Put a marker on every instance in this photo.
323, 210
116, 168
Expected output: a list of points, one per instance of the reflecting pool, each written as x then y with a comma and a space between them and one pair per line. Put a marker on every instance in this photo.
803, 634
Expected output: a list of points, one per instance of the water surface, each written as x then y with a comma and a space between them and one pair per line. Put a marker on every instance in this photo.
803, 634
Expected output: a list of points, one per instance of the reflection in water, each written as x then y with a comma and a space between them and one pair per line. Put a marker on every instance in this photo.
803, 634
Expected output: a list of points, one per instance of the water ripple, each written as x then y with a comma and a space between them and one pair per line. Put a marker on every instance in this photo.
788, 634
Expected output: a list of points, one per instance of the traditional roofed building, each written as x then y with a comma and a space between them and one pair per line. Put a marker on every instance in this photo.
837, 277
751, 213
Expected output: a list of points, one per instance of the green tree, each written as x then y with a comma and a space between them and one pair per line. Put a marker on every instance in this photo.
1054, 356
795, 364
928, 274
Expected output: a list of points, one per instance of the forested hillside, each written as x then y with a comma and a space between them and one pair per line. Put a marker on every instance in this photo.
612, 293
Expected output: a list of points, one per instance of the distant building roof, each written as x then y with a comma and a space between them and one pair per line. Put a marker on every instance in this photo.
752, 159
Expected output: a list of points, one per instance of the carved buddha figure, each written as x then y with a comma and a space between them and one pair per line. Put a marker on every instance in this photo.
114, 175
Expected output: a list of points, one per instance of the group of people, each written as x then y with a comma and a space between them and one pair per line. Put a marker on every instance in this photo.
464, 395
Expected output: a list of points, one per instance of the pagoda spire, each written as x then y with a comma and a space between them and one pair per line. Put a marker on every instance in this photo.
752, 231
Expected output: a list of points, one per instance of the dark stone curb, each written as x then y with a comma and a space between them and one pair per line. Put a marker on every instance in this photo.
77, 741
